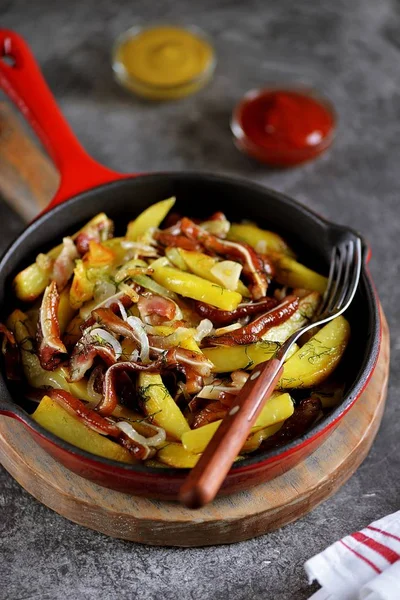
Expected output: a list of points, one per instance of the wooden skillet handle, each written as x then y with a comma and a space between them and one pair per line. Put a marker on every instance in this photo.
28, 179
205, 479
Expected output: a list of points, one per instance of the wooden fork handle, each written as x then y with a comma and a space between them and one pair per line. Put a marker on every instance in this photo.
205, 479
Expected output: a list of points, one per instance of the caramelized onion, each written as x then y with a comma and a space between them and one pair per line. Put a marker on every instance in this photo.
141, 336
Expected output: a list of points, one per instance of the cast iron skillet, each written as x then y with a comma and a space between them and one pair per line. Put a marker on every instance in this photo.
87, 188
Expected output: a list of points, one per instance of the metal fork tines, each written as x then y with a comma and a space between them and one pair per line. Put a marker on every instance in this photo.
343, 278
344, 275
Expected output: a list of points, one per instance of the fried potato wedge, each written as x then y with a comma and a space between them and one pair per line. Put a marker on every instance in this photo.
255, 440
159, 406
151, 217
193, 286
57, 420
175, 455
318, 358
261, 240
65, 311
33, 280
293, 274
231, 358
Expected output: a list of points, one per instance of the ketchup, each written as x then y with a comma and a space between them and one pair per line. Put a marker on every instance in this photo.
283, 127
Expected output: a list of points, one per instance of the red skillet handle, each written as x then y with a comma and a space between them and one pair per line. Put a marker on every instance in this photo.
22, 81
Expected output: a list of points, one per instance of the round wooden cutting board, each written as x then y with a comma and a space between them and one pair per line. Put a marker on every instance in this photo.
232, 519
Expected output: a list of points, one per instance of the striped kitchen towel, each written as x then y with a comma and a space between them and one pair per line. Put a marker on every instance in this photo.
362, 566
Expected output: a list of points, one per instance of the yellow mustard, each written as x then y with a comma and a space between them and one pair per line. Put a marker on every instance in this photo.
163, 62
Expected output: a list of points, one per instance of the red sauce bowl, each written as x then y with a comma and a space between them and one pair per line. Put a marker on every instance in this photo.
283, 126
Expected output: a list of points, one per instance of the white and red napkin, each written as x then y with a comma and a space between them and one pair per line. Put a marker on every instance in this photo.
362, 566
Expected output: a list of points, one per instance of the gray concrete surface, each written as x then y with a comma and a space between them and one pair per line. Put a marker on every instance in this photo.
352, 51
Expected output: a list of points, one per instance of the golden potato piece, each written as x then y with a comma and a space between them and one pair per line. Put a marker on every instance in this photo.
175, 455
263, 241
160, 406
231, 358
255, 440
293, 274
318, 358
193, 286
81, 288
151, 217
65, 311
57, 420
33, 280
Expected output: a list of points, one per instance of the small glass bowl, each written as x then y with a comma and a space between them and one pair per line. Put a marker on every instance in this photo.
287, 157
163, 91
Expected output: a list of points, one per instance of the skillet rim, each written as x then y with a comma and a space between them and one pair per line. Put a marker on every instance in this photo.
263, 457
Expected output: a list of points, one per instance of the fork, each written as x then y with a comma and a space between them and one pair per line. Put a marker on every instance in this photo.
205, 479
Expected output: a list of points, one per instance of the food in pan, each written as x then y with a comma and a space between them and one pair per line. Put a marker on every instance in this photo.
133, 347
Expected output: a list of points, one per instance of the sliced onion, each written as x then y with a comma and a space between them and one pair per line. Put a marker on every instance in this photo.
44, 262
109, 339
200, 364
104, 290
156, 440
239, 378
178, 313
141, 249
128, 291
218, 227
227, 272
227, 329
243, 320
149, 284
124, 314
172, 340
211, 379
134, 356
204, 329
86, 309
90, 386
148, 237
133, 435
139, 330
212, 392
